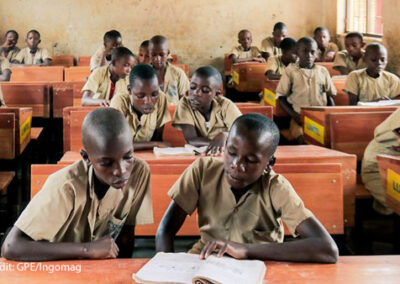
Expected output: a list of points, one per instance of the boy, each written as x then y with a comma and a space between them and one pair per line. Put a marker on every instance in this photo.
241, 203
33, 55
144, 56
111, 40
276, 64
110, 80
173, 80
90, 208
245, 52
386, 136
326, 49
205, 116
145, 108
5, 71
372, 83
270, 45
304, 84
352, 58
9, 48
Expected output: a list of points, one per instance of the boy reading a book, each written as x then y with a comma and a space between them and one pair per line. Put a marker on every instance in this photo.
241, 203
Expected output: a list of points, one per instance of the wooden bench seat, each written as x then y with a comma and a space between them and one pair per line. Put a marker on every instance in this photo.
76, 73
84, 61
35, 132
62, 60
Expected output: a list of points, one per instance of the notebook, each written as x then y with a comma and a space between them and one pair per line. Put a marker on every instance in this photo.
188, 150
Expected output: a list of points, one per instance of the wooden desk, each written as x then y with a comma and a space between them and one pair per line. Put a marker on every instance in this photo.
269, 97
341, 98
35, 132
37, 74
228, 65
349, 269
76, 73
62, 60
84, 60
5, 180
249, 76
62, 97
389, 169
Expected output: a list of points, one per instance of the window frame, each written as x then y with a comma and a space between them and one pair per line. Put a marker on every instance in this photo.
347, 21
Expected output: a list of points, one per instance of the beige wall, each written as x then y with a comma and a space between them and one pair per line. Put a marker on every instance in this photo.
200, 31
391, 25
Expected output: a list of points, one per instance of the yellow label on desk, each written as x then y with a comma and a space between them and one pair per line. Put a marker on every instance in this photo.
235, 77
25, 130
269, 97
314, 130
393, 184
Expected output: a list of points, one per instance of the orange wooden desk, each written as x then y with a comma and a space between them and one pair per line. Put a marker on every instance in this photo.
37, 74
389, 169
349, 269
249, 76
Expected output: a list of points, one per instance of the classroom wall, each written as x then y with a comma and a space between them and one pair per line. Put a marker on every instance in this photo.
200, 32
391, 22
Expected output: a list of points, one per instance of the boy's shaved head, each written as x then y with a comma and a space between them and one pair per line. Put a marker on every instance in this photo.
14, 32
305, 41
145, 44
242, 32
374, 48
279, 26
120, 52
112, 35
209, 72
33, 32
158, 40
143, 72
288, 43
355, 35
320, 29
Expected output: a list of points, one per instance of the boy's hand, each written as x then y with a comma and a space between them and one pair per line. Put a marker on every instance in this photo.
235, 250
105, 103
103, 248
216, 146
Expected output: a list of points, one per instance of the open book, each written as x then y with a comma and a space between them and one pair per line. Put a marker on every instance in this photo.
188, 150
380, 103
189, 268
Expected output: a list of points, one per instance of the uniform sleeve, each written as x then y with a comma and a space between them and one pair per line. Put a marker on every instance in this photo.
183, 83
256, 52
185, 191
333, 47
93, 82
232, 112
45, 54
330, 87
266, 46
340, 60
182, 114
163, 115
351, 84
288, 204
5, 64
96, 58
20, 56
394, 87
285, 84
48, 210
234, 51
119, 103
272, 64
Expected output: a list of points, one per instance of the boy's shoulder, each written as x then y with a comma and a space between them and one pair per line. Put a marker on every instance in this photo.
223, 102
140, 167
175, 70
209, 164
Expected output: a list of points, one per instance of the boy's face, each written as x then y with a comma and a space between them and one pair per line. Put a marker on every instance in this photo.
122, 66
12, 40
289, 55
144, 56
307, 52
246, 156
202, 91
322, 38
376, 60
354, 46
279, 35
245, 40
32, 40
111, 44
159, 55
144, 95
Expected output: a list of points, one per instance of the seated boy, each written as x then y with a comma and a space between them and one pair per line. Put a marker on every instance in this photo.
241, 203
5, 71
350, 59
172, 80
145, 108
109, 80
144, 56
90, 208
276, 64
372, 83
304, 84
33, 55
326, 49
9, 48
386, 141
111, 40
270, 45
205, 116
245, 52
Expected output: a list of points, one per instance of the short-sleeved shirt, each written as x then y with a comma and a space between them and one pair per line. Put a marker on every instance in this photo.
239, 52
305, 87
223, 114
26, 57
275, 64
176, 83
344, 59
370, 89
98, 59
11, 54
257, 216
99, 82
67, 208
4, 64
268, 45
142, 129
331, 47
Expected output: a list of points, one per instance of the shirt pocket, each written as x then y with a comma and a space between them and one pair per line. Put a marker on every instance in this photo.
115, 225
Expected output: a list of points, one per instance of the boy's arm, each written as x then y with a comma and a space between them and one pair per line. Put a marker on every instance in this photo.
191, 137
88, 100
353, 99
289, 109
271, 75
126, 241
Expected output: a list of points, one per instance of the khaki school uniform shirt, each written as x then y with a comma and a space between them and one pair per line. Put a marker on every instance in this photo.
268, 45
176, 83
4, 64
67, 209
370, 89
142, 129
305, 87
275, 64
11, 54
257, 216
331, 47
239, 52
344, 59
99, 83
98, 59
223, 114
26, 57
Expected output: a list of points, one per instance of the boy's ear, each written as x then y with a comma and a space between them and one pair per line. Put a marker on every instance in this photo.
85, 157
272, 161
39, 41
129, 88
362, 44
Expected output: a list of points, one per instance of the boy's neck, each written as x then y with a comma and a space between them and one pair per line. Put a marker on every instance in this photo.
207, 114
100, 188
357, 57
33, 49
303, 66
372, 74
285, 61
246, 49
113, 77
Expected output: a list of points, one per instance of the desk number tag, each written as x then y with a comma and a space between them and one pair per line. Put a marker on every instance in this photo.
314, 130
269, 97
235, 77
393, 184
25, 130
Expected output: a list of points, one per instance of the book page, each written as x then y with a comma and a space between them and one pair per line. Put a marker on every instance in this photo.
172, 151
380, 103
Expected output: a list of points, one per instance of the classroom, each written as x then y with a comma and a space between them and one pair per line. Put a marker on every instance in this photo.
149, 141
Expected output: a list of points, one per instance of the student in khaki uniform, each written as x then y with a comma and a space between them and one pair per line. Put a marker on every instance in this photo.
326, 49
111, 40
5, 71
245, 52
372, 83
351, 58
386, 141
145, 107
110, 80
270, 45
90, 208
304, 84
277, 64
9, 49
33, 55
173, 80
205, 116
241, 203
144, 55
